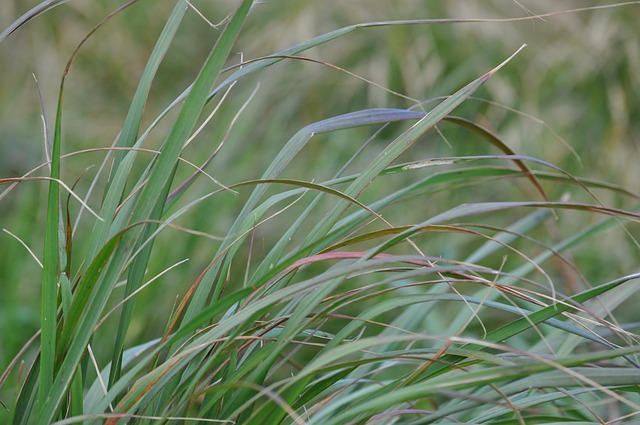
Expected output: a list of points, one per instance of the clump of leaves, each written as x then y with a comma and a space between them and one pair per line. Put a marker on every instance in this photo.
345, 316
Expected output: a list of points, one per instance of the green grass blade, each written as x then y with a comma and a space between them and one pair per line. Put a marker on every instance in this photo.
134, 280
78, 330
466, 210
24, 406
127, 136
162, 172
51, 270
84, 291
131, 125
522, 226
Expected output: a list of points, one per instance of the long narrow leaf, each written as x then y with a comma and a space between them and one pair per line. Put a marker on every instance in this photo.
51, 270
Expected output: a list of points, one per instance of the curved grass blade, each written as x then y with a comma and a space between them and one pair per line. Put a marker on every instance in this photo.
33, 13
495, 140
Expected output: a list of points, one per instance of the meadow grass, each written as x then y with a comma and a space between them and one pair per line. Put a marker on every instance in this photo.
299, 237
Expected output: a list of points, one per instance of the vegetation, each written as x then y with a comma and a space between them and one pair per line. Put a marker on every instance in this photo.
370, 225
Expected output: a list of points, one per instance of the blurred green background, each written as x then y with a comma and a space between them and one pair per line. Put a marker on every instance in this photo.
575, 87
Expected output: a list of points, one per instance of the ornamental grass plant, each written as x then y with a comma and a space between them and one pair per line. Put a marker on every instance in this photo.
256, 214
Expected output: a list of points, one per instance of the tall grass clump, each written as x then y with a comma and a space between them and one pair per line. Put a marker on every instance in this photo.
210, 267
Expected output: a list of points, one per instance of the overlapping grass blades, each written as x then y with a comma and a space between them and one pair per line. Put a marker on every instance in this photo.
337, 320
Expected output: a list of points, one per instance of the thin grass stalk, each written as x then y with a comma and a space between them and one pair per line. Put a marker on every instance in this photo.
50, 278
51, 269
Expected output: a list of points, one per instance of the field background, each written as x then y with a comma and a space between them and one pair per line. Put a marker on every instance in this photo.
572, 98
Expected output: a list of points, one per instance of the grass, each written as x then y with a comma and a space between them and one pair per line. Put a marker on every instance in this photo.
283, 238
